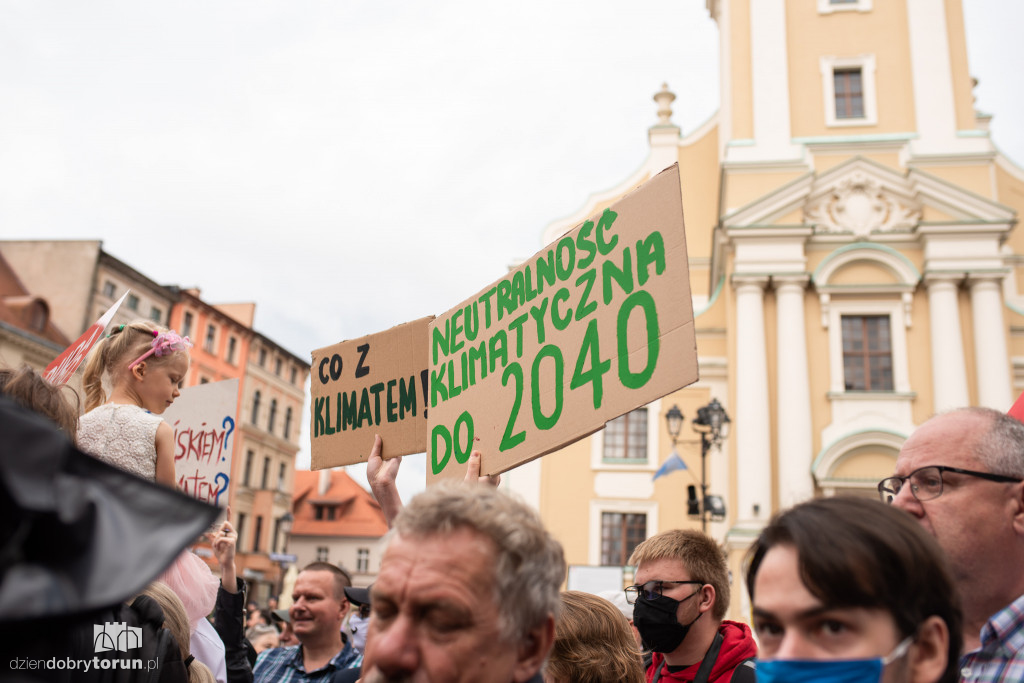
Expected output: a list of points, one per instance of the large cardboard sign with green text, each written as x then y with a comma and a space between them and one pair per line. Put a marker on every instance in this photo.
594, 325
376, 384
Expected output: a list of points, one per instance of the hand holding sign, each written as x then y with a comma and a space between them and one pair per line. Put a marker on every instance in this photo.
382, 476
473, 472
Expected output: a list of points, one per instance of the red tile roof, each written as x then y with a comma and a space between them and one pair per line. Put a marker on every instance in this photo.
356, 511
28, 313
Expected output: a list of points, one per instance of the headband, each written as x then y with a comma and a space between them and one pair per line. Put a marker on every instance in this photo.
163, 344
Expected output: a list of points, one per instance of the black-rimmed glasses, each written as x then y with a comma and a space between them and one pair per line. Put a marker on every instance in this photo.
926, 482
652, 589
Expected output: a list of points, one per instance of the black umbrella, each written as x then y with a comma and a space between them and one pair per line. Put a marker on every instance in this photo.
76, 534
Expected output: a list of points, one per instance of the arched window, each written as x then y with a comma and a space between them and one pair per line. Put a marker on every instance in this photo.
255, 407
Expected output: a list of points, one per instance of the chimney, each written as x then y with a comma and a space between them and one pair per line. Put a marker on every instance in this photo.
325, 481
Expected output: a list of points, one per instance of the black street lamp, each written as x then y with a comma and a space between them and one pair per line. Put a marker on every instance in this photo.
674, 422
712, 423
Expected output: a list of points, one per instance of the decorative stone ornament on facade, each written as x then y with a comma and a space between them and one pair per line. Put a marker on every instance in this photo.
664, 99
861, 205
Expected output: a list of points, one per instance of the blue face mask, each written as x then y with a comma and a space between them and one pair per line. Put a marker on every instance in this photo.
828, 670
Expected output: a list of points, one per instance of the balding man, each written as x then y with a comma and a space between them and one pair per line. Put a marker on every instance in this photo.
961, 475
468, 591
318, 608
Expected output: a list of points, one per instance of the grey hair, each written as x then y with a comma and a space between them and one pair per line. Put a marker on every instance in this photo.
1001, 448
530, 564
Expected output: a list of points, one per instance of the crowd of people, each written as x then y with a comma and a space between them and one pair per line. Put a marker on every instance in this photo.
924, 586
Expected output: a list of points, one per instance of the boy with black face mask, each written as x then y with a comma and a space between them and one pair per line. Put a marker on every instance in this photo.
679, 604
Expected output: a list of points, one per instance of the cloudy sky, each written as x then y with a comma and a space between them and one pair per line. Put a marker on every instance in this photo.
353, 164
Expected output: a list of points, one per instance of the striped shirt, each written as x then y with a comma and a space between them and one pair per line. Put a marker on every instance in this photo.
1001, 656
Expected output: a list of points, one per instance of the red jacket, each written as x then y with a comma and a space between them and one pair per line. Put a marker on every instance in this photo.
737, 646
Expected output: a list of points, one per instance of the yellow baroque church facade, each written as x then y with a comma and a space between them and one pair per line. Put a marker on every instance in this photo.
854, 268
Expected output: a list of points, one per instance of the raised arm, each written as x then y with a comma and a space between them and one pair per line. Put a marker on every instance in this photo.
229, 612
224, 541
381, 476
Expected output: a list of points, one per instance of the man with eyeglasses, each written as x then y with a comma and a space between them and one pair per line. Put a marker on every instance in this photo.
679, 603
961, 475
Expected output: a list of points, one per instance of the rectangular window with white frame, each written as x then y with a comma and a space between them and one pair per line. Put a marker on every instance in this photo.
621, 533
625, 437
867, 347
363, 560
321, 553
849, 89
867, 353
848, 85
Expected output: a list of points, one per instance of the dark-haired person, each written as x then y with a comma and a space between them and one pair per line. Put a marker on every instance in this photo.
965, 471
846, 589
318, 608
679, 604
359, 617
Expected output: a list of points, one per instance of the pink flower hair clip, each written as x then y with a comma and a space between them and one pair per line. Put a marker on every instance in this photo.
163, 344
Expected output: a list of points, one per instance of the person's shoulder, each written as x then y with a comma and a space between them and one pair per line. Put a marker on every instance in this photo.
735, 631
205, 632
100, 411
346, 676
275, 656
738, 647
347, 657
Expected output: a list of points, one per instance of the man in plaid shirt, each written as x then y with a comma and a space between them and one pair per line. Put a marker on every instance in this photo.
965, 471
318, 608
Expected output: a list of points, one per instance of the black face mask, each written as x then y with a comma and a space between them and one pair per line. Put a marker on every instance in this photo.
656, 621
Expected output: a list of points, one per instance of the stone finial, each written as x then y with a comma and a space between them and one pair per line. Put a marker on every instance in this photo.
664, 99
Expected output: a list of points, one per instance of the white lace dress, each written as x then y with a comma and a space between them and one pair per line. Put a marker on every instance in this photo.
122, 435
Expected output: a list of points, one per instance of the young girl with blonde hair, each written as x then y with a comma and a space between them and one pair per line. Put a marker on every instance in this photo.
145, 366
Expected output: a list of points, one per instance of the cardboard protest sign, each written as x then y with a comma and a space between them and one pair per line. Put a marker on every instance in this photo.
64, 366
203, 419
373, 385
591, 327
